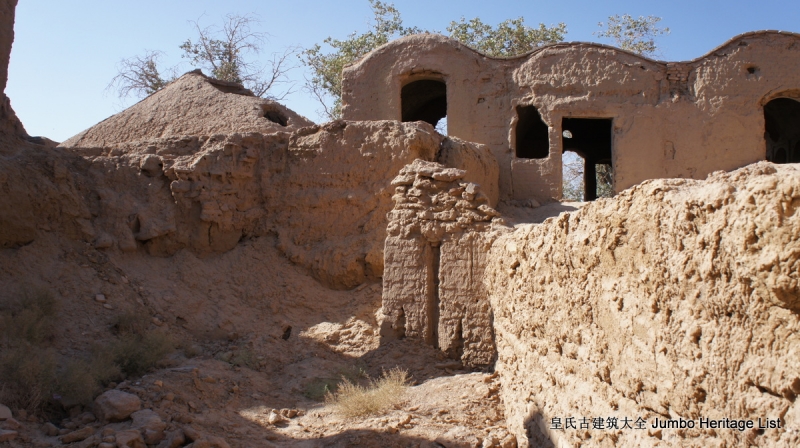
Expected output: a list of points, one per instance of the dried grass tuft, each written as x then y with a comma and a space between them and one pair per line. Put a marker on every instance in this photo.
354, 400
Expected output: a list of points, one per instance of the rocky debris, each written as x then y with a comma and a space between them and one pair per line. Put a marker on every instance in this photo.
499, 438
677, 298
115, 405
150, 424
129, 438
50, 429
10, 423
439, 233
7, 435
77, 436
202, 440
5, 412
173, 439
275, 418
459, 437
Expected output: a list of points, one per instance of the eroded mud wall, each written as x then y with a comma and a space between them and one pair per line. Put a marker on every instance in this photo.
9, 123
676, 299
670, 120
322, 192
439, 233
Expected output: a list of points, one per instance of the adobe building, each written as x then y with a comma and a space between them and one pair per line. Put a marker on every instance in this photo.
648, 119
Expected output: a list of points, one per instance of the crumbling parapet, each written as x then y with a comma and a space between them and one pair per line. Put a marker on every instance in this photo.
439, 233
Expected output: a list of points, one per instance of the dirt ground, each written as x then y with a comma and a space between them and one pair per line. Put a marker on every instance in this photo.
248, 341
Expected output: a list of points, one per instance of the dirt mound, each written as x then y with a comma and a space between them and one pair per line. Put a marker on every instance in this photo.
677, 299
193, 104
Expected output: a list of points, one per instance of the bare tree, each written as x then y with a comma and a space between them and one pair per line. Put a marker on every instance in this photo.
140, 76
228, 53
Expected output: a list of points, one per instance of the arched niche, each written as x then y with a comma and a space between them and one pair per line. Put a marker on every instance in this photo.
782, 130
424, 100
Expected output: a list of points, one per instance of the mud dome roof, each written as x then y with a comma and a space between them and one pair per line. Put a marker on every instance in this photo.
194, 104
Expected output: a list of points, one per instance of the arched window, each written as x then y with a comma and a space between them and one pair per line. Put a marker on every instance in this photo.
424, 100
782, 130
533, 141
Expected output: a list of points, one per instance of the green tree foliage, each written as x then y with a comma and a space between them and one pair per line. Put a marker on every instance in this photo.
510, 38
326, 79
228, 53
637, 35
605, 180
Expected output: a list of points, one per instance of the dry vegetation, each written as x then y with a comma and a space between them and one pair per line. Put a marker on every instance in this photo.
353, 400
34, 377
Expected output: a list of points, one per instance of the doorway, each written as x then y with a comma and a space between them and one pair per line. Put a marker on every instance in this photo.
782, 130
425, 100
590, 139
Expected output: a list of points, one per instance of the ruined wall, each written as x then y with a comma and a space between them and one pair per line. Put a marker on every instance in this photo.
477, 89
9, 123
330, 194
439, 234
669, 119
676, 299
323, 191
7, 9
478, 162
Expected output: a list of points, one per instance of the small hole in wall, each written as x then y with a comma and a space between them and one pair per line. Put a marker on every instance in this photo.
276, 117
287, 332
751, 70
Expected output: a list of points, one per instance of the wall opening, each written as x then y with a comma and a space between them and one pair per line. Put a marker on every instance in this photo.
532, 137
590, 138
424, 100
433, 296
276, 116
782, 130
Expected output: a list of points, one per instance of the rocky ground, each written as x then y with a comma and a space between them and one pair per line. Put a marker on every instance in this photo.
255, 349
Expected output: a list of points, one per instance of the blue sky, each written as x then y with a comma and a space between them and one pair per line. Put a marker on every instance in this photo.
65, 53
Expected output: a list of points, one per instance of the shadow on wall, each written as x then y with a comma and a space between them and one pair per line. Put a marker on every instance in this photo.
537, 434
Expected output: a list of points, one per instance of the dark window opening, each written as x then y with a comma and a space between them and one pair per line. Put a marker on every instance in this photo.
782, 126
287, 332
276, 117
533, 141
424, 100
590, 138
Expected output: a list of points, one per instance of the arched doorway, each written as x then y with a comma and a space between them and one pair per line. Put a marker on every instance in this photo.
532, 139
782, 130
424, 100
